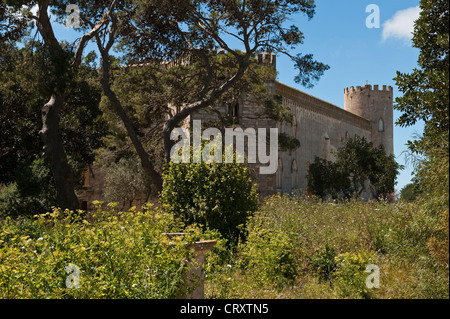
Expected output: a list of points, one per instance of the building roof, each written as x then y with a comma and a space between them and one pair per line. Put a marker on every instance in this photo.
314, 104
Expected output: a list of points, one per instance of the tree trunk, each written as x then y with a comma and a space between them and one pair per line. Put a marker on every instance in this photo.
117, 106
54, 150
168, 143
200, 104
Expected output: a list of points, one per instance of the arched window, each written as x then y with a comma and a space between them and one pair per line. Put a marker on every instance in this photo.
235, 111
294, 127
306, 173
279, 126
347, 136
87, 176
326, 146
294, 175
380, 125
279, 175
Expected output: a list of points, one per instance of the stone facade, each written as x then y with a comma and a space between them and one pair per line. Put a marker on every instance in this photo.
318, 125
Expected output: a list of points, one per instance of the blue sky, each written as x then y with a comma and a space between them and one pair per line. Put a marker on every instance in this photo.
338, 36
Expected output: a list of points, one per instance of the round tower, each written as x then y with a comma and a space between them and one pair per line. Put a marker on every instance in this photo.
375, 105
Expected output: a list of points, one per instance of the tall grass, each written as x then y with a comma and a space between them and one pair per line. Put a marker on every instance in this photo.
293, 242
294, 248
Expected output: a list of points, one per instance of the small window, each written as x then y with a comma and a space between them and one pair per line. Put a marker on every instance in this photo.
347, 136
326, 146
87, 177
279, 175
235, 110
380, 125
234, 113
294, 175
294, 127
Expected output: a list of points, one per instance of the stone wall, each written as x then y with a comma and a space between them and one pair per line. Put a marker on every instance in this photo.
320, 127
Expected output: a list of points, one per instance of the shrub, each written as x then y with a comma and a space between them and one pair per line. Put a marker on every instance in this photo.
409, 192
267, 254
126, 181
289, 237
357, 162
323, 262
31, 193
218, 196
351, 273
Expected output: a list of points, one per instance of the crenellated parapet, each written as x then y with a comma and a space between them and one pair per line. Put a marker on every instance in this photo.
261, 57
368, 88
186, 58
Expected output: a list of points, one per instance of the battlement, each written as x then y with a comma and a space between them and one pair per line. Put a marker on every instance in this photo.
368, 87
261, 57
186, 58
267, 57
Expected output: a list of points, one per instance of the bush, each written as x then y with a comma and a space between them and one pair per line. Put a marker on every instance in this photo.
351, 273
126, 181
409, 193
267, 254
31, 193
218, 196
323, 262
357, 162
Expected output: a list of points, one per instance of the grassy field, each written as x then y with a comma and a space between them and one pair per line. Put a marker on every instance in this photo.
295, 248
310, 249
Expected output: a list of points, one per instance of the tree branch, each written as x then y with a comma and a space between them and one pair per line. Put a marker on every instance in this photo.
85, 38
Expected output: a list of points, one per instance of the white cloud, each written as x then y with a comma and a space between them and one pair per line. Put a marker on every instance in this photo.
401, 25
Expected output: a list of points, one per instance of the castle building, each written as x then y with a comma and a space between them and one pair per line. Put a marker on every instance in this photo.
319, 126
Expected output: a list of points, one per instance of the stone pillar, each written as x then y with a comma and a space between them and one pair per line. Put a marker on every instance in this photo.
196, 275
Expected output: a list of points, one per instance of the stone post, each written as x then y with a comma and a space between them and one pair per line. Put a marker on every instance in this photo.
196, 275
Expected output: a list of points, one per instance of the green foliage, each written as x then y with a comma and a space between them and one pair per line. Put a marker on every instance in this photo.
120, 255
432, 177
394, 237
287, 143
325, 177
426, 90
323, 262
32, 190
126, 181
426, 97
31, 193
409, 192
267, 253
357, 162
21, 100
360, 160
19, 113
350, 273
218, 196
